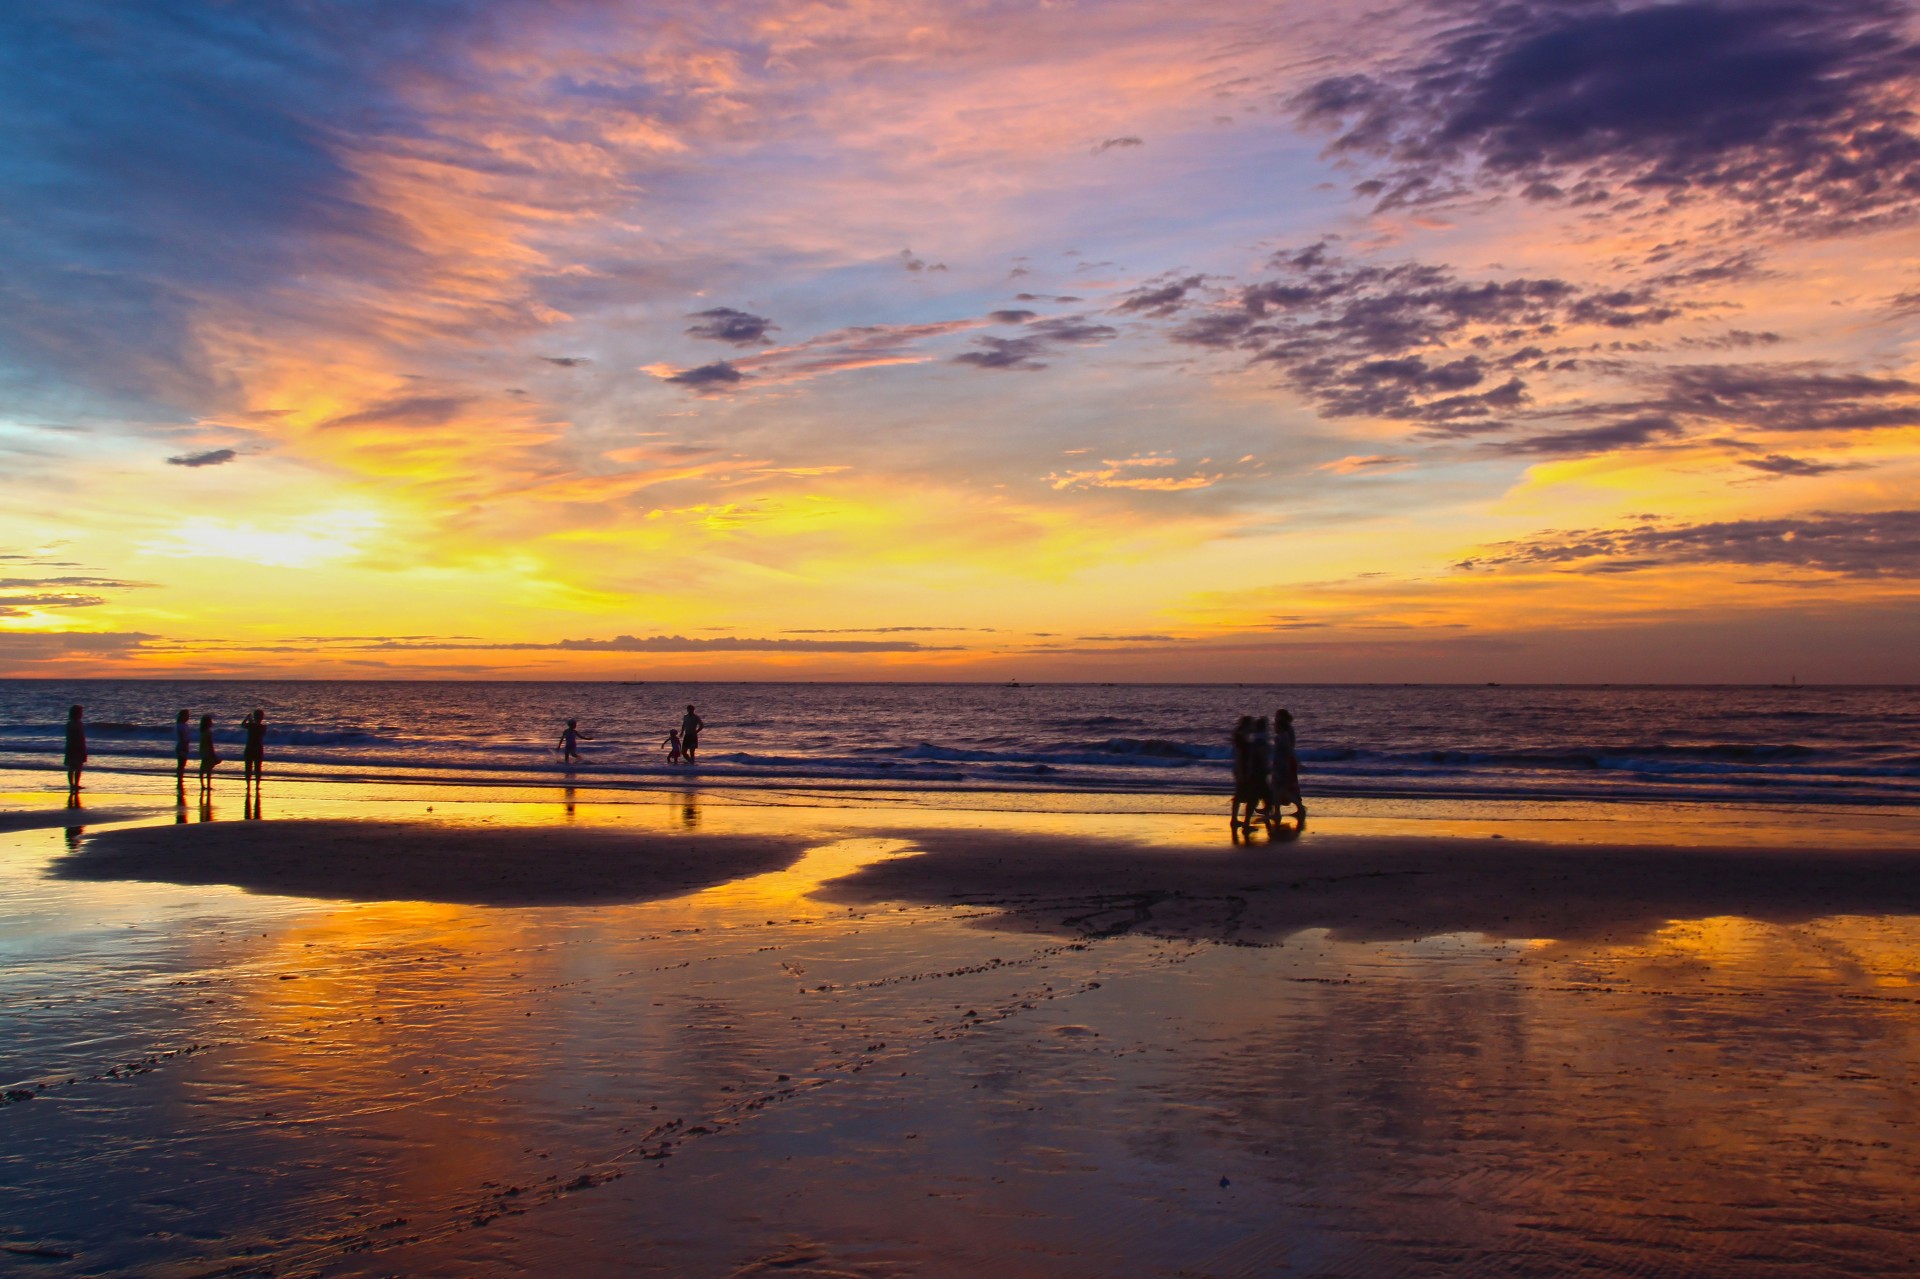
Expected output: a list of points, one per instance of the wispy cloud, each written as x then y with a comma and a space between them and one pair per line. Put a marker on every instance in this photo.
1869, 544
1142, 474
1040, 338
1782, 466
212, 457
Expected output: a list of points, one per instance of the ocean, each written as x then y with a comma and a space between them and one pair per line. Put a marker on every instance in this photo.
1842, 745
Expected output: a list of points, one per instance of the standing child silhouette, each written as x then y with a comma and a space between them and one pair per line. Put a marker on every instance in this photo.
208, 755
76, 753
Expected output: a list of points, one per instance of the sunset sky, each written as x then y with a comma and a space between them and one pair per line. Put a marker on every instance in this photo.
1117, 340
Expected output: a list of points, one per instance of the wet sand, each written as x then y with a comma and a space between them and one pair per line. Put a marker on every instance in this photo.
971, 1043
359, 860
42, 818
1365, 889
1358, 888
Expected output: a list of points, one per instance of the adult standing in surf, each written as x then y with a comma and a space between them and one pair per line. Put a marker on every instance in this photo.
182, 748
76, 752
254, 758
690, 726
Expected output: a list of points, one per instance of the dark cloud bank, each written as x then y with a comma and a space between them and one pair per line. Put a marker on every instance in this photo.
1358, 339
649, 644
1800, 112
1454, 357
1873, 544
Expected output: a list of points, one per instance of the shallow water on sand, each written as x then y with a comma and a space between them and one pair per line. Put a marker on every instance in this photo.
754, 1079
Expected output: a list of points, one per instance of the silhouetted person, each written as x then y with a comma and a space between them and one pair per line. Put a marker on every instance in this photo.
690, 726
208, 755
1244, 792
76, 755
182, 747
1260, 767
253, 758
570, 742
1285, 784
672, 742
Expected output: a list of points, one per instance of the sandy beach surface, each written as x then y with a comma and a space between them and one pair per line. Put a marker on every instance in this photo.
396, 1031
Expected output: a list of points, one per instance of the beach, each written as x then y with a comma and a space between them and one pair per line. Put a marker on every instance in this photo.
408, 1030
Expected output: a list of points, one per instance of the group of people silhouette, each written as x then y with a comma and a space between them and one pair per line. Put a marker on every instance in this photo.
682, 744
1266, 762
253, 753
1266, 770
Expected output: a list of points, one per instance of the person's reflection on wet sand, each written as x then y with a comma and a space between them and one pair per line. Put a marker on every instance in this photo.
689, 809
79, 828
1278, 830
567, 797
252, 810
206, 805
180, 799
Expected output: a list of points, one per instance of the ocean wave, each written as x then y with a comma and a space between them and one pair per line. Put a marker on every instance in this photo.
1707, 744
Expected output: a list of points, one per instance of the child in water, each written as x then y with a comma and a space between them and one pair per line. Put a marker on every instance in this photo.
672, 742
182, 747
570, 742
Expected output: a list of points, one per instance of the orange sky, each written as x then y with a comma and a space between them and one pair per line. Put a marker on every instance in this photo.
902, 341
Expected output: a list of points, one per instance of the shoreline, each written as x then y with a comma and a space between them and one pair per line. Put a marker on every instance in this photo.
40, 797
1199, 795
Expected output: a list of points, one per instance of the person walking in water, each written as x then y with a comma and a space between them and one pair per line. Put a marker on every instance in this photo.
1285, 787
254, 758
672, 742
182, 747
690, 726
208, 755
570, 742
76, 753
